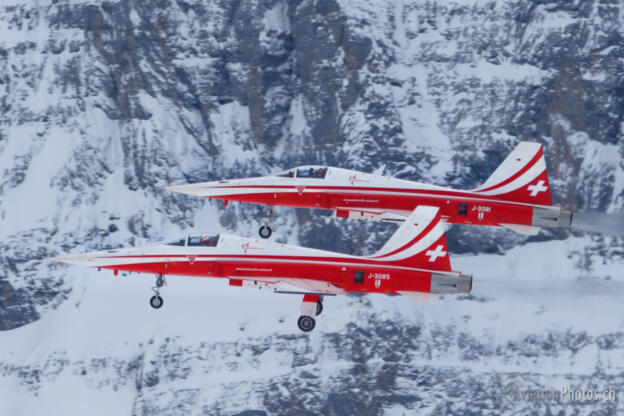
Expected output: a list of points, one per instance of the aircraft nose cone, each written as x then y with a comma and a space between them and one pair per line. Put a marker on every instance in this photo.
80, 259
190, 189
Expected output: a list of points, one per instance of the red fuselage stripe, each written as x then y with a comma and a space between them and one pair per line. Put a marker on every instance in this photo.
247, 258
336, 189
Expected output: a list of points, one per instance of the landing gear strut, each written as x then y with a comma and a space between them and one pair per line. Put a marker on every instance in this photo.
265, 230
156, 301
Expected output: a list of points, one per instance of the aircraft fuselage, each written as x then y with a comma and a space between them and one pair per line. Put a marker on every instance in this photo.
365, 196
257, 263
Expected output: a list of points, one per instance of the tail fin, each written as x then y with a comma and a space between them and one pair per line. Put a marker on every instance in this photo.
419, 242
522, 177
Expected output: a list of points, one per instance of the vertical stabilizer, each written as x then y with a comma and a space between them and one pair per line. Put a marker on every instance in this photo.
522, 177
419, 242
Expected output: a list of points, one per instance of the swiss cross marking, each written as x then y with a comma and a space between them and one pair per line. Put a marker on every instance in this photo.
537, 188
434, 254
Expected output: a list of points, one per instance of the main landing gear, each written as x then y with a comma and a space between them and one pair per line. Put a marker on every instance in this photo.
265, 230
156, 301
306, 323
311, 306
319, 306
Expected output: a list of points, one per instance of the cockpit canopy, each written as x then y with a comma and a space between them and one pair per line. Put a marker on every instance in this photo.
290, 173
318, 172
196, 241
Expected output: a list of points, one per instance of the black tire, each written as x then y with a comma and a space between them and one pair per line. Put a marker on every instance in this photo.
319, 308
306, 323
156, 302
265, 231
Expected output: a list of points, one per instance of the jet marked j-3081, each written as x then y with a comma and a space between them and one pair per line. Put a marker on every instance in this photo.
516, 196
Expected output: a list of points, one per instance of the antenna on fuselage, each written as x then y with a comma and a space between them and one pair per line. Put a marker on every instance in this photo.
379, 170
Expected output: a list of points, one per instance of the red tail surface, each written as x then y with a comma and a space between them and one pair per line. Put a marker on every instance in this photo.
419, 242
522, 177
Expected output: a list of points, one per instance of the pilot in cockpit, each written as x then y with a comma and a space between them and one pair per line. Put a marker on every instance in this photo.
197, 240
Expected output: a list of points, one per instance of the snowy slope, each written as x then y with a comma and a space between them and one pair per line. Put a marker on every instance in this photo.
104, 103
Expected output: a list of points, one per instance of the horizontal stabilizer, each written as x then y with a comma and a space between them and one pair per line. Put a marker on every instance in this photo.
421, 297
523, 229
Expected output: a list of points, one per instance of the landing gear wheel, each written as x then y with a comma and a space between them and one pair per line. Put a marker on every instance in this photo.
319, 308
265, 231
306, 323
156, 301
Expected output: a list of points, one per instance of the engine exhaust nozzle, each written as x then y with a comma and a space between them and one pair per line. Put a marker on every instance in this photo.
552, 217
441, 283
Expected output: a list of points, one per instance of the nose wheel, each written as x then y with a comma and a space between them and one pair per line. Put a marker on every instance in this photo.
265, 230
156, 301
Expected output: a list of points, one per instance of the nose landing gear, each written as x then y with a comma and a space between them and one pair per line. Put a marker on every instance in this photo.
156, 301
265, 230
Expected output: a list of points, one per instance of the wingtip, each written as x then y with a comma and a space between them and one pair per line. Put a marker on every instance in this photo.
61, 259
189, 189
80, 259
173, 188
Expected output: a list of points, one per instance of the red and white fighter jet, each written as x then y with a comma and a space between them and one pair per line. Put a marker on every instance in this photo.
413, 261
516, 196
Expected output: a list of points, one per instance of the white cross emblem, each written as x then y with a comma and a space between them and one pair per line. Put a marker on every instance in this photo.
434, 254
537, 188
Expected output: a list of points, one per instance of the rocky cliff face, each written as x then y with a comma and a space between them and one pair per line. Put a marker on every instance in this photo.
104, 103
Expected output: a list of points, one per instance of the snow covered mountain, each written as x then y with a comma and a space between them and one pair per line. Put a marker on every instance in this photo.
104, 103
